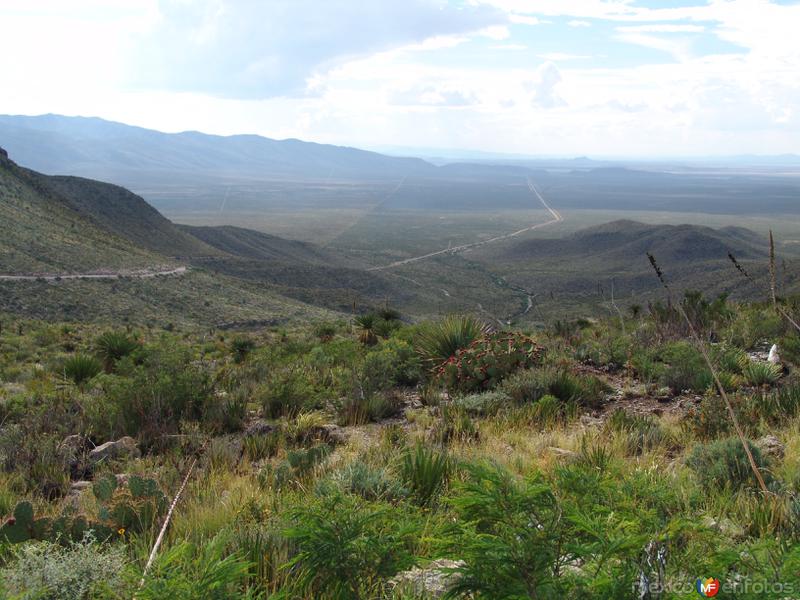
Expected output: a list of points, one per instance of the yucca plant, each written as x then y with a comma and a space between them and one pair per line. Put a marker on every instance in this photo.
80, 368
112, 346
425, 473
365, 326
440, 340
761, 373
241, 348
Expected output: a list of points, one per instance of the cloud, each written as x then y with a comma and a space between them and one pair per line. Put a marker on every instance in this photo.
260, 49
678, 48
661, 28
578, 23
432, 95
557, 56
543, 87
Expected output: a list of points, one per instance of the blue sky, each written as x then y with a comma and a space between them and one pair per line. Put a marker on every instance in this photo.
540, 77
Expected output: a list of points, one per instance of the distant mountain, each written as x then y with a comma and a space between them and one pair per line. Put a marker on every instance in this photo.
97, 148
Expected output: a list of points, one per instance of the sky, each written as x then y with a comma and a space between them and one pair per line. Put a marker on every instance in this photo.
601, 78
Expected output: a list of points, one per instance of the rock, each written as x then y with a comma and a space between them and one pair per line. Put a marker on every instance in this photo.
725, 526
3, 153
334, 434
432, 581
561, 452
77, 487
771, 446
774, 357
123, 448
259, 428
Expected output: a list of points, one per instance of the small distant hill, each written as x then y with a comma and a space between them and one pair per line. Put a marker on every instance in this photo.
624, 240
255, 245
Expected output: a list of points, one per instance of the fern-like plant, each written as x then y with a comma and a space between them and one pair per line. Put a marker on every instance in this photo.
761, 373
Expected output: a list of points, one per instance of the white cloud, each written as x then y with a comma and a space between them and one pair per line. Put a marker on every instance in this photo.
559, 56
578, 23
661, 28
543, 86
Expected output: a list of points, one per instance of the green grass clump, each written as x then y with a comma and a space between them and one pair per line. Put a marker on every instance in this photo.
761, 373
425, 472
113, 346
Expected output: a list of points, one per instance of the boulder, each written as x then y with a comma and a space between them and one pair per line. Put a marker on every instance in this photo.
771, 446
258, 428
432, 581
123, 448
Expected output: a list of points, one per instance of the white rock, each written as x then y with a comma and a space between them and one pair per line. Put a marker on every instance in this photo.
774, 357
434, 581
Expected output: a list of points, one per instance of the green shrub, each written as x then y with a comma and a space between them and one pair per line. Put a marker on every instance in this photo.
425, 472
80, 368
511, 535
113, 346
686, 368
761, 373
724, 463
187, 572
357, 410
345, 551
287, 392
549, 411
437, 342
488, 360
78, 571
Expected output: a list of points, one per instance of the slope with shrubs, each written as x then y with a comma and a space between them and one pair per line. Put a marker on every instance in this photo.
333, 456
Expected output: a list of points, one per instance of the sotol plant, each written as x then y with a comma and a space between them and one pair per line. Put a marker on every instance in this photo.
80, 368
113, 346
438, 341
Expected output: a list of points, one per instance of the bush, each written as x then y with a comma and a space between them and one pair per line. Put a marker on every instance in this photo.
531, 385
454, 426
724, 463
287, 392
358, 410
80, 368
425, 473
370, 483
686, 370
437, 342
155, 397
113, 346
488, 360
344, 551
78, 571
511, 537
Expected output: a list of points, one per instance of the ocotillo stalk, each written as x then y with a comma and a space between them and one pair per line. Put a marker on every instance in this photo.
772, 270
702, 347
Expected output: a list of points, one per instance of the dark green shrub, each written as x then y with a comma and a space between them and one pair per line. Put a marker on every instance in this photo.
531, 385
359, 410
425, 472
641, 433
287, 392
80, 368
724, 463
760, 373
686, 368
370, 483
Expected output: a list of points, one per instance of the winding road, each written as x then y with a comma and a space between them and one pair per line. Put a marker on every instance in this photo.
557, 218
131, 273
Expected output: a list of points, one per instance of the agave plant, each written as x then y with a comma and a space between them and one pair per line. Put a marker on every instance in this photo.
440, 340
112, 346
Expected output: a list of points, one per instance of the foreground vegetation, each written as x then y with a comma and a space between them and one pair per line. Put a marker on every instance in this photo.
591, 460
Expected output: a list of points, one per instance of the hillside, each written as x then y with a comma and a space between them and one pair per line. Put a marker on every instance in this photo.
42, 230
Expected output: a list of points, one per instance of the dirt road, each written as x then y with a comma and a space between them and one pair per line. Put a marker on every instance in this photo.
104, 274
557, 218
